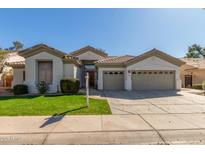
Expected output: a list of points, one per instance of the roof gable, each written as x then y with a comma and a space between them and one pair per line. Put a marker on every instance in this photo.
89, 48
41, 48
156, 53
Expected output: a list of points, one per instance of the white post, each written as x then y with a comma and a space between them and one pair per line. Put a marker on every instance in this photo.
87, 89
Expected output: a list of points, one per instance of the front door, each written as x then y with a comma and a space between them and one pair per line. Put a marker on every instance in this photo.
188, 81
91, 78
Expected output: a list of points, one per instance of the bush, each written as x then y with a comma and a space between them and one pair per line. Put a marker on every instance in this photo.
197, 86
20, 89
69, 85
203, 85
42, 87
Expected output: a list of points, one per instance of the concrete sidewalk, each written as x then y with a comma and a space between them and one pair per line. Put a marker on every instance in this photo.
105, 129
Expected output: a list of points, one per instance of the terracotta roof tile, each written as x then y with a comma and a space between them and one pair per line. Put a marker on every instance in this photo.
115, 60
15, 59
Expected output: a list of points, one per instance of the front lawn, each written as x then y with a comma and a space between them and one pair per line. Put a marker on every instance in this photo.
52, 105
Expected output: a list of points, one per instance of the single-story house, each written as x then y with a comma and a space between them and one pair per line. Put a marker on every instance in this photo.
153, 70
193, 71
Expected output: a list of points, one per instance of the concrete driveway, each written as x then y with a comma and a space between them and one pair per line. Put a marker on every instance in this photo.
155, 102
177, 117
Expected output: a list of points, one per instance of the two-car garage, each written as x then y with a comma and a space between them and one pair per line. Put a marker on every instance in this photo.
140, 80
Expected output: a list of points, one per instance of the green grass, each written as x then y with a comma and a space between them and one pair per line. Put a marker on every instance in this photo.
52, 105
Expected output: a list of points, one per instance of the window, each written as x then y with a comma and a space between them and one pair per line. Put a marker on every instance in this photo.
24, 76
89, 67
45, 71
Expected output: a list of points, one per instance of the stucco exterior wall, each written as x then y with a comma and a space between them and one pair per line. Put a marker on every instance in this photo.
31, 69
17, 76
68, 70
89, 56
100, 75
78, 75
198, 75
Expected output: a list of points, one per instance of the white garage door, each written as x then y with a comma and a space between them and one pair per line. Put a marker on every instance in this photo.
113, 80
153, 80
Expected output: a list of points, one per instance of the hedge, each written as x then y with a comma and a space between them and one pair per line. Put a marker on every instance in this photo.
197, 86
20, 89
69, 85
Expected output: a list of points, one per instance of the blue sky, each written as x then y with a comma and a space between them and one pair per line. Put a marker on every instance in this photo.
117, 31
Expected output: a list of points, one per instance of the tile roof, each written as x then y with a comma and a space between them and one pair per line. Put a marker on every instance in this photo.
72, 59
195, 62
14, 59
115, 59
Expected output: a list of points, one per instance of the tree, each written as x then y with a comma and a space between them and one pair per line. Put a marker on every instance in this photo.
195, 51
17, 45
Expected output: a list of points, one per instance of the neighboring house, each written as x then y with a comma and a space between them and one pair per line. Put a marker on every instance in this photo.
153, 70
193, 72
6, 73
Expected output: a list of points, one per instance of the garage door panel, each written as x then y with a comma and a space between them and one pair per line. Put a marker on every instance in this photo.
113, 80
153, 80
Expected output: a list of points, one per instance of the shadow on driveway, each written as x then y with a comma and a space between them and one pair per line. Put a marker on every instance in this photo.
146, 94
58, 117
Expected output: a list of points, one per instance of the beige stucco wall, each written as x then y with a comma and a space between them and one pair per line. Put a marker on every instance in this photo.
68, 70
198, 75
32, 71
152, 63
17, 76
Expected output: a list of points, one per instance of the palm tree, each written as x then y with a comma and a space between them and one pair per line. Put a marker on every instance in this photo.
18, 45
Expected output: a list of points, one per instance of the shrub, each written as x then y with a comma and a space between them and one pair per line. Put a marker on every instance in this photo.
42, 87
69, 85
20, 89
197, 86
203, 85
